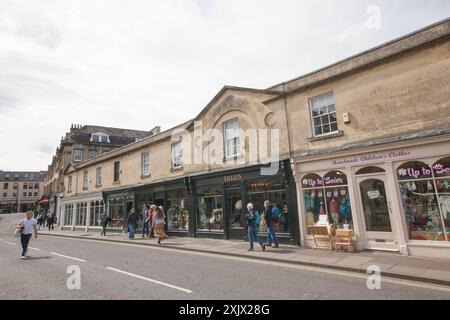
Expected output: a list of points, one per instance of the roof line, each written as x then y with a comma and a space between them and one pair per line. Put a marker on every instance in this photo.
118, 151
361, 53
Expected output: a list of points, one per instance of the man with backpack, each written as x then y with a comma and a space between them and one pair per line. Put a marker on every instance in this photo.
272, 215
252, 218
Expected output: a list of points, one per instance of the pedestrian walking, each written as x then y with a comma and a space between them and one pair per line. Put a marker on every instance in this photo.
145, 220
28, 226
159, 224
131, 223
271, 214
151, 218
105, 219
49, 221
252, 218
39, 221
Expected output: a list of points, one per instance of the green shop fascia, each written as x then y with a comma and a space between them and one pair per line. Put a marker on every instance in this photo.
213, 205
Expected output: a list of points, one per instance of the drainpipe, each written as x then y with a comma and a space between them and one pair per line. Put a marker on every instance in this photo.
288, 126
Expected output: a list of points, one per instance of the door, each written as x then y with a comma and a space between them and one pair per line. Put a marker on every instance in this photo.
376, 206
234, 217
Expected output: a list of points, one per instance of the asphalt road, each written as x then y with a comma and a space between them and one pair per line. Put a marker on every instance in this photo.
122, 271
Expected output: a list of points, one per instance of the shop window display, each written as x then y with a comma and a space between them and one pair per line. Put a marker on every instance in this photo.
209, 213
80, 215
116, 212
236, 211
262, 190
425, 195
327, 196
68, 214
96, 210
177, 211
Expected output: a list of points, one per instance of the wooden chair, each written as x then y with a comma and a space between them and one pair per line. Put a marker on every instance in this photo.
321, 234
344, 239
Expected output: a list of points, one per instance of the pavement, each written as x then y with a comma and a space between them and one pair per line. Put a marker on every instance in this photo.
393, 265
68, 268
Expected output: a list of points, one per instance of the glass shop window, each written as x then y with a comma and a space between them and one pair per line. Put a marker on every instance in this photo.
327, 200
425, 196
209, 213
177, 211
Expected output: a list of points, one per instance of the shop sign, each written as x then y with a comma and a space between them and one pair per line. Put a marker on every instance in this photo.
312, 183
375, 194
414, 172
373, 157
440, 170
232, 178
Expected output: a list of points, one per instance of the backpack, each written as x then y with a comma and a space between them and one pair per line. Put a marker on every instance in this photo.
276, 213
256, 220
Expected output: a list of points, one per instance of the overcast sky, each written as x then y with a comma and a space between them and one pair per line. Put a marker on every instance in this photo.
141, 63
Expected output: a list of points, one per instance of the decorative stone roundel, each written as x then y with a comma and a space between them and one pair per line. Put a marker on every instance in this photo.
270, 120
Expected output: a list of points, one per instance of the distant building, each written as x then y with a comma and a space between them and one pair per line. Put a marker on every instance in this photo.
83, 143
19, 191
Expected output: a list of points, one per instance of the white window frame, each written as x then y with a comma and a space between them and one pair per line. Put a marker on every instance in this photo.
327, 104
85, 179
145, 164
69, 184
75, 154
235, 136
176, 155
100, 137
98, 176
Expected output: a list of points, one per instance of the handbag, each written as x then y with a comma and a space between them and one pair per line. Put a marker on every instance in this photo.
18, 232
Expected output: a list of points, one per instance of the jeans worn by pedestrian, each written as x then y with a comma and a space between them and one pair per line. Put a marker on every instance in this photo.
145, 229
252, 237
25, 240
131, 231
271, 237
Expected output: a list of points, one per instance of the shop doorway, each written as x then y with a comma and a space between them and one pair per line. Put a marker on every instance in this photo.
234, 214
376, 207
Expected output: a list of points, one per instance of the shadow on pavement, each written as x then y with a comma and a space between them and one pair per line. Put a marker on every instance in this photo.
38, 258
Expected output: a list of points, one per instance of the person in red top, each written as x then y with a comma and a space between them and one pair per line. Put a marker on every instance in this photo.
151, 212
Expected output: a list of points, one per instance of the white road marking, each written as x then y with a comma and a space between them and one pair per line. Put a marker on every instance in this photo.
150, 280
394, 281
67, 257
14, 244
35, 249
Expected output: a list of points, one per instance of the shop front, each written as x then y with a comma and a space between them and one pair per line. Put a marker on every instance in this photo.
220, 202
82, 213
395, 199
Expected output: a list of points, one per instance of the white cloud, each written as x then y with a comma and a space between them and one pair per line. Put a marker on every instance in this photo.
141, 63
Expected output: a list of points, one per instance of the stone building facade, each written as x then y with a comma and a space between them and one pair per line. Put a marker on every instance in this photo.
364, 143
80, 144
20, 191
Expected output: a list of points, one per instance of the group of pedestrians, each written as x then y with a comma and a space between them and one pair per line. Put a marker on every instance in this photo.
256, 221
153, 222
46, 218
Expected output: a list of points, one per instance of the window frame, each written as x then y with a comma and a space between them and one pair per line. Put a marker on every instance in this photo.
85, 179
74, 155
98, 176
319, 116
237, 146
116, 175
69, 184
90, 152
145, 166
178, 161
